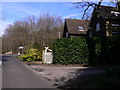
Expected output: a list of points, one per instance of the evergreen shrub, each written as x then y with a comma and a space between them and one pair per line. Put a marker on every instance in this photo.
72, 50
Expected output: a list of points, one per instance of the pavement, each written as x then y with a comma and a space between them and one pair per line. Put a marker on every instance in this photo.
0, 71
0, 77
15, 74
59, 75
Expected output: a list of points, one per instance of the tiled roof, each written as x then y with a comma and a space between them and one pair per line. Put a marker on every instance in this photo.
74, 24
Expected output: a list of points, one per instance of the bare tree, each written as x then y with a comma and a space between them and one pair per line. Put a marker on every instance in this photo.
88, 7
26, 32
48, 27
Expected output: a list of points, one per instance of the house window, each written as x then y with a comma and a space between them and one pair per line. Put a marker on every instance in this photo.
116, 25
66, 34
81, 28
115, 13
90, 34
98, 27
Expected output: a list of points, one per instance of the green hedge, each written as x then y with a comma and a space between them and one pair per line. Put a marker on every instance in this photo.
113, 49
86, 50
107, 50
70, 51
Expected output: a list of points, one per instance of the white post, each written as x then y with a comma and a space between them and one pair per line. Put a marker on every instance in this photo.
46, 48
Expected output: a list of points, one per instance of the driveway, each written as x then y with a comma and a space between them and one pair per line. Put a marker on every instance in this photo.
15, 74
60, 74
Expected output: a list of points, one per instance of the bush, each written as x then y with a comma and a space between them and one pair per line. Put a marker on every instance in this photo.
87, 50
72, 50
100, 49
36, 46
113, 50
32, 55
107, 49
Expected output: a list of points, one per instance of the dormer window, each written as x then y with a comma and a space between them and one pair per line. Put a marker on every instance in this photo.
81, 28
98, 27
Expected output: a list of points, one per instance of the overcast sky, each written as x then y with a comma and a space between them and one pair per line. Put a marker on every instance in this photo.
12, 11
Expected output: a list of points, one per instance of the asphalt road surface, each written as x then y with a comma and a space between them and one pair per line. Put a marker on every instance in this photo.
0, 73
16, 75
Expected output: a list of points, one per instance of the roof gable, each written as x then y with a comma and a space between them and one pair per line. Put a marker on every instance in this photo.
74, 25
108, 12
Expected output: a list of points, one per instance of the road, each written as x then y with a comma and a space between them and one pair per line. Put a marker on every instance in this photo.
15, 74
0, 71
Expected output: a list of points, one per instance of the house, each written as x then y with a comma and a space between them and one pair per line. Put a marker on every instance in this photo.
75, 27
105, 21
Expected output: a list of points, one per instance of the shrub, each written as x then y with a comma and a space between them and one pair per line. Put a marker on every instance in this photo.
32, 55
107, 49
113, 49
84, 50
72, 50
36, 46
100, 49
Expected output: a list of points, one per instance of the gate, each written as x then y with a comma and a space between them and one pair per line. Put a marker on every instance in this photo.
47, 56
